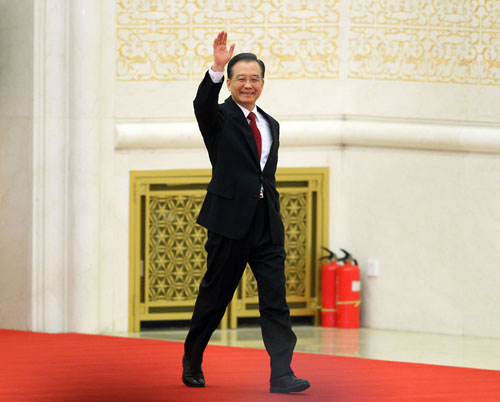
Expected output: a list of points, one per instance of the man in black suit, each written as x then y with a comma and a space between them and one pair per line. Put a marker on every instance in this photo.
241, 213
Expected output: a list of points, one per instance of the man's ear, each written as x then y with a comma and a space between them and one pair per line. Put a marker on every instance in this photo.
228, 81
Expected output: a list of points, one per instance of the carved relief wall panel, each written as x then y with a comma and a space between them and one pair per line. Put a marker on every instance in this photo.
438, 41
445, 41
171, 40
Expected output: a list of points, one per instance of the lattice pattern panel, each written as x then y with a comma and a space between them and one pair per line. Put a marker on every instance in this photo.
176, 253
442, 41
294, 212
172, 39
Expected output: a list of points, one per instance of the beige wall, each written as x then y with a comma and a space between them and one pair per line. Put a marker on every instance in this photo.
414, 167
429, 219
16, 148
399, 99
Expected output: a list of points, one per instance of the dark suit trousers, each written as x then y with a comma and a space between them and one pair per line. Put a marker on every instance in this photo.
226, 262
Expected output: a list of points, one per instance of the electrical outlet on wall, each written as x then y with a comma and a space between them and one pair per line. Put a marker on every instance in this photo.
372, 268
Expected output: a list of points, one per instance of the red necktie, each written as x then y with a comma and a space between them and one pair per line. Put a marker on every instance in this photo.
256, 132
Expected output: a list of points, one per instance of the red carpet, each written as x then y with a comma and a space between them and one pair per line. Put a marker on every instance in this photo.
73, 367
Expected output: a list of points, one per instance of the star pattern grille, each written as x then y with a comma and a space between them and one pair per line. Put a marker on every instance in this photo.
168, 257
176, 253
294, 212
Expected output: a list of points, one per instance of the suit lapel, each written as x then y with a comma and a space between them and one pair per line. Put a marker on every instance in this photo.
242, 122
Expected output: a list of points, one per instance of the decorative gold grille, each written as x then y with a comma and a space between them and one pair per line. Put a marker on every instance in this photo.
300, 210
294, 212
176, 254
168, 258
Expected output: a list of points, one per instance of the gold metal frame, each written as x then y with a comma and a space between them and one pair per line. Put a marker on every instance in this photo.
148, 186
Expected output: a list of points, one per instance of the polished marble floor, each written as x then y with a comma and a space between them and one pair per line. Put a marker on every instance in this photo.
380, 344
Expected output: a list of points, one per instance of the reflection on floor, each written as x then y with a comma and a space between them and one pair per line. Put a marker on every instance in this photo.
401, 346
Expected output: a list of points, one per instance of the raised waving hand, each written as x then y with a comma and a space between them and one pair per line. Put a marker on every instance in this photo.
222, 54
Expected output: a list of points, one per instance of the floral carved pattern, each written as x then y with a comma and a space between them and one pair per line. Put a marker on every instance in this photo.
172, 39
441, 41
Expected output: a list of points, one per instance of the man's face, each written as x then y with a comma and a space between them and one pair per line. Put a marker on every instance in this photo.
246, 84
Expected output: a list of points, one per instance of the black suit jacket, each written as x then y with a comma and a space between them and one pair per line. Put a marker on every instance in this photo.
232, 194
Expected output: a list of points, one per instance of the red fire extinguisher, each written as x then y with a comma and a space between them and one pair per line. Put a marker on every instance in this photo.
348, 293
328, 287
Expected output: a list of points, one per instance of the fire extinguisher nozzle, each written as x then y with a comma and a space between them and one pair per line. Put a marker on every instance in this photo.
331, 255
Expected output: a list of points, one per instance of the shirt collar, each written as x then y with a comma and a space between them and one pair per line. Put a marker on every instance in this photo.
246, 111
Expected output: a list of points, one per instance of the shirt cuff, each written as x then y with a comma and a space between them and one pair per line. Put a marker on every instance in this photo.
216, 76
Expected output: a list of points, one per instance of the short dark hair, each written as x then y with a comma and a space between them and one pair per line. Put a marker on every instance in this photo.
244, 57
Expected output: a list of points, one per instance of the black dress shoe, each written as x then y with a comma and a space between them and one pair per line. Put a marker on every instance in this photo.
192, 376
287, 384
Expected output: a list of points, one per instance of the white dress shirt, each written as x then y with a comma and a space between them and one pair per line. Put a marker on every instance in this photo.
262, 123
